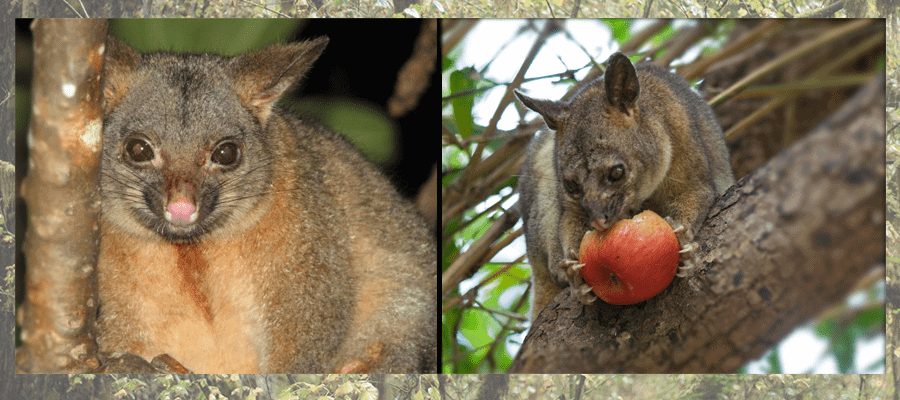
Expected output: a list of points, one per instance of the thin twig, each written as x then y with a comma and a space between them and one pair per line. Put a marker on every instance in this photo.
834, 34
463, 182
575, 9
83, 9
647, 9
820, 73
73, 9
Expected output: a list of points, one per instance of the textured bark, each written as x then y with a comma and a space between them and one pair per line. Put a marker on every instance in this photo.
781, 245
62, 195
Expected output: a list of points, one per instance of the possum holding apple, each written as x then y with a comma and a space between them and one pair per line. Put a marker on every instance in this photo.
630, 262
637, 138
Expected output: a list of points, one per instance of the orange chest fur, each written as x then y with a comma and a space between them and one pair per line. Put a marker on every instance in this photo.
194, 302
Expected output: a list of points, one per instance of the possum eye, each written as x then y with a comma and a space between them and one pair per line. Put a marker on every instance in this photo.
572, 187
616, 173
225, 154
138, 150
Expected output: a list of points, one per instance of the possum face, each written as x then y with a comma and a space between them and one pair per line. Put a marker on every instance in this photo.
181, 156
605, 162
611, 153
600, 164
601, 186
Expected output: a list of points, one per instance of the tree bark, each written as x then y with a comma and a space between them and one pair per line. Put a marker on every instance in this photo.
781, 245
61, 192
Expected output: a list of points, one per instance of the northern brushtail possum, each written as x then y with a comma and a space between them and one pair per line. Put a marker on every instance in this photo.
239, 238
636, 138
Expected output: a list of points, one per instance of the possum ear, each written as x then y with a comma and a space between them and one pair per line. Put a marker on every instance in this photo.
553, 111
263, 76
621, 81
118, 68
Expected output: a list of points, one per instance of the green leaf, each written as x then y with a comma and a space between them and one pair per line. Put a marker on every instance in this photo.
868, 319
825, 328
663, 35
450, 59
774, 362
620, 29
842, 347
449, 320
460, 81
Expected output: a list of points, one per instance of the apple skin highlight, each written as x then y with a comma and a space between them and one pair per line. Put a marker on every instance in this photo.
632, 261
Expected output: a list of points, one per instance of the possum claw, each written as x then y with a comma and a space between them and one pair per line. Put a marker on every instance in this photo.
569, 263
586, 295
572, 267
687, 248
685, 268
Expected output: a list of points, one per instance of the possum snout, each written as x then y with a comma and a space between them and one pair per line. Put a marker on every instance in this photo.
604, 211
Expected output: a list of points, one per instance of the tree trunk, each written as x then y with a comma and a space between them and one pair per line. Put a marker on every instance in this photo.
63, 198
777, 248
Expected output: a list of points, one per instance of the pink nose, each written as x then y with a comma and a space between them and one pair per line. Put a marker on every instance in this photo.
181, 212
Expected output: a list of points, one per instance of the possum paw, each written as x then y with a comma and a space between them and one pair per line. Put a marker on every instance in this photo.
583, 291
685, 240
683, 235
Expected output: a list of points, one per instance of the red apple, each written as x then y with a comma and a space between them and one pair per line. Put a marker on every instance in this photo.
632, 261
